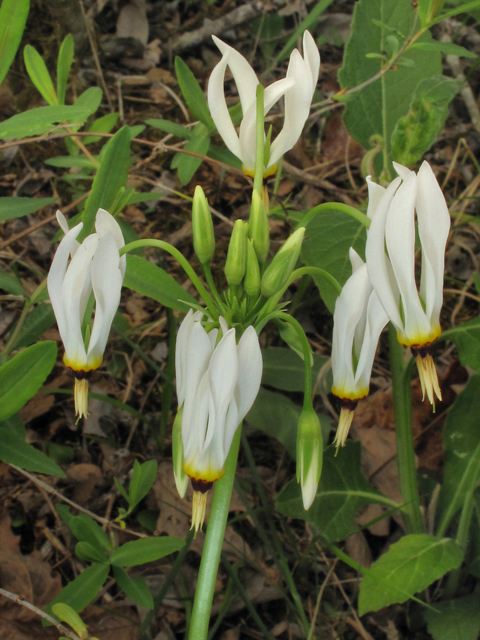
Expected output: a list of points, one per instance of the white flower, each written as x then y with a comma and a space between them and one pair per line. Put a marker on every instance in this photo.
298, 88
415, 314
96, 265
216, 387
358, 321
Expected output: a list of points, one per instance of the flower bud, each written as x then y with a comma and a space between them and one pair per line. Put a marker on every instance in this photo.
252, 275
202, 225
258, 229
280, 269
309, 455
236, 263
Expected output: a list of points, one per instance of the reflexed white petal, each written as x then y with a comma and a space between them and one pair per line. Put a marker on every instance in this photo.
106, 223
181, 348
375, 194
377, 262
376, 321
194, 434
355, 260
243, 74
218, 108
433, 228
400, 241
107, 280
402, 171
223, 325
311, 56
223, 370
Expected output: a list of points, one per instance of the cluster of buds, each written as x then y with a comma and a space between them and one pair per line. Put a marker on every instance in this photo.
385, 288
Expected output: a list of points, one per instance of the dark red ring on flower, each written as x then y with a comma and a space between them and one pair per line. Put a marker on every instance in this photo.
347, 404
423, 350
201, 485
82, 375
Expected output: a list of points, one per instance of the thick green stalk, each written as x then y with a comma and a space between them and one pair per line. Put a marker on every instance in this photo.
402, 405
260, 143
212, 548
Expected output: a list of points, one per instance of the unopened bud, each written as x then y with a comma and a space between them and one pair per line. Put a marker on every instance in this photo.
280, 269
258, 229
202, 226
181, 478
309, 455
252, 275
236, 263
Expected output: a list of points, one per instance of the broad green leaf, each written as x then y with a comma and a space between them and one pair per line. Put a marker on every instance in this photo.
143, 477
146, 278
90, 99
13, 15
81, 591
456, 619
328, 240
171, 127
35, 122
85, 529
110, 178
66, 614
448, 48
466, 337
222, 154
64, 64
101, 125
22, 376
376, 109
136, 130
341, 492
38, 320
11, 208
409, 566
39, 75
145, 550
462, 452
89, 553
418, 130
284, 369
12, 284
136, 589
187, 164
193, 94
15, 450
67, 162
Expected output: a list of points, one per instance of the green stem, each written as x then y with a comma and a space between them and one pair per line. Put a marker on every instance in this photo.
211, 285
212, 548
336, 206
462, 539
402, 405
28, 305
160, 244
260, 143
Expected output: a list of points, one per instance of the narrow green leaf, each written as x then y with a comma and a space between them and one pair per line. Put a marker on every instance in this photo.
35, 122
187, 164
284, 369
81, 591
40, 319
409, 566
143, 477
85, 529
12, 284
101, 125
448, 48
146, 278
136, 589
89, 553
171, 127
463, 8
68, 615
193, 94
67, 162
90, 99
466, 337
22, 376
64, 64
11, 208
15, 450
145, 550
110, 178
121, 490
455, 619
39, 75
13, 16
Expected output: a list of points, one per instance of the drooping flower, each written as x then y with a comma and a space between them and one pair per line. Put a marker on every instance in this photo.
358, 321
76, 270
298, 88
415, 313
217, 383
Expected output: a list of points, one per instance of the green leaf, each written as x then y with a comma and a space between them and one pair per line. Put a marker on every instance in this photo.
329, 237
193, 94
11, 208
143, 477
101, 125
89, 553
15, 450
81, 591
284, 369
376, 109
222, 154
67, 162
64, 64
448, 48
35, 122
121, 490
22, 376
145, 550
186, 164
40, 319
462, 453
136, 589
410, 565
68, 615
90, 99
12, 284
466, 337
415, 133
110, 178
39, 75
171, 127
454, 619
85, 529
341, 492
13, 16
146, 278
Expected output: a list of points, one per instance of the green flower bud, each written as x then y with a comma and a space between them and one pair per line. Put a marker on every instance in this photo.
252, 276
281, 267
236, 263
181, 478
258, 229
202, 226
309, 455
